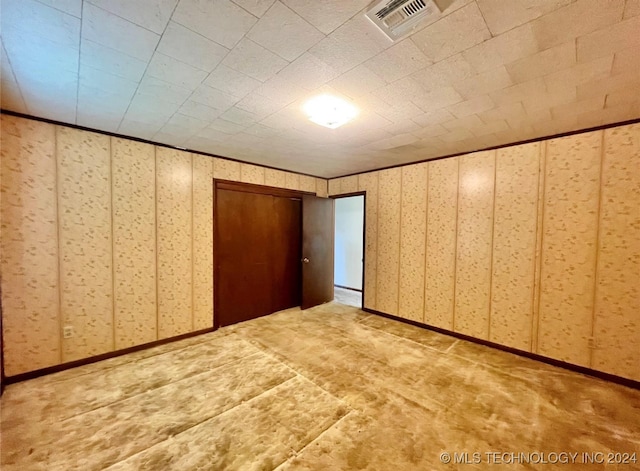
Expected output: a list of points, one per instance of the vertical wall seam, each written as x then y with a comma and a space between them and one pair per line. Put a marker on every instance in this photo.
455, 249
400, 245
113, 247
375, 298
426, 244
493, 231
193, 242
536, 251
543, 162
597, 247
59, 243
155, 189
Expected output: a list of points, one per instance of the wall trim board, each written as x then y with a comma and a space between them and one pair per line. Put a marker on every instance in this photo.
630, 383
147, 141
104, 356
501, 146
347, 287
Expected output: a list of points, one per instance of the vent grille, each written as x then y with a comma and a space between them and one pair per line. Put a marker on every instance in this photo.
395, 18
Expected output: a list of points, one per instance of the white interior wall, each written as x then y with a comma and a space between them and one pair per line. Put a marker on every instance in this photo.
348, 241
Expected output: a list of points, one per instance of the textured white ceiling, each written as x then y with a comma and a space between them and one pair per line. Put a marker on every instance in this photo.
229, 77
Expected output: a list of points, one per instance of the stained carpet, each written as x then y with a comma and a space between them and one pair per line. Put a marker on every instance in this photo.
330, 388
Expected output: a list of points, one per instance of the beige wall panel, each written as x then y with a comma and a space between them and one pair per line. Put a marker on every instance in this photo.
321, 187
275, 178
617, 310
133, 167
334, 187
251, 174
173, 203
292, 181
389, 193
349, 184
570, 226
473, 257
30, 303
86, 271
202, 242
226, 169
369, 182
514, 245
307, 184
412, 242
440, 270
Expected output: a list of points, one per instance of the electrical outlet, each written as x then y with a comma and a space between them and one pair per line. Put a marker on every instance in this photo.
67, 331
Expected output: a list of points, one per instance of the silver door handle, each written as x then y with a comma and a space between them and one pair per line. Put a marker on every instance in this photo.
305, 260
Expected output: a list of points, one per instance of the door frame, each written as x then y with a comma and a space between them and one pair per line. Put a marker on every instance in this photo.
221, 184
364, 232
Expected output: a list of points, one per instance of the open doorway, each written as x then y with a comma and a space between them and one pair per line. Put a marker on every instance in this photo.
349, 249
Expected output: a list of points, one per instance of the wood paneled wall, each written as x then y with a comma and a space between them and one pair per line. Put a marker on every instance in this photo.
534, 246
109, 236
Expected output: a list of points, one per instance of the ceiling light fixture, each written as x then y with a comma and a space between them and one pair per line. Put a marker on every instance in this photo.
329, 111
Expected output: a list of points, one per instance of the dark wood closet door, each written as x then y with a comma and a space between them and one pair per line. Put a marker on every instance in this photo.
244, 253
257, 255
287, 252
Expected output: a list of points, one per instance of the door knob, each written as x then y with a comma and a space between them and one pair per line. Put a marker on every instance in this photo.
305, 260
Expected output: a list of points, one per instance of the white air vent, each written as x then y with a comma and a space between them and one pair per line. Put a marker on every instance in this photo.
395, 18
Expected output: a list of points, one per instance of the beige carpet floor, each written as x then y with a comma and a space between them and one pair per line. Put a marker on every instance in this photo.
331, 388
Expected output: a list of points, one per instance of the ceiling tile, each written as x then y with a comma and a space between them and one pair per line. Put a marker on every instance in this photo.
467, 122
150, 14
105, 28
484, 82
438, 98
306, 72
433, 117
241, 117
22, 45
543, 63
326, 15
259, 105
626, 60
358, 81
225, 126
632, 8
609, 40
506, 111
452, 69
102, 122
576, 108
508, 47
180, 123
100, 80
40, 20
518, 92
586, 16
10, 94
173, 71
106, 59
604, 86
398, 61
192, 48
219, 20
254, 60
579, 74
454, 33
151, 110
231, 81
473, 106
199, 111
72, 7
255, 7
549, 99
284, 32
501, 19
138, 129
213, 98
102, 102
165, 91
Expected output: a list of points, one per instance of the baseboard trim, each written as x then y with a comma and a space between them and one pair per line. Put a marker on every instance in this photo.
104, 356
350, 289
630, 383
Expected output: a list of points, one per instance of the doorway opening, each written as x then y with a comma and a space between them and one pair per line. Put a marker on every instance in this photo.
349, 249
